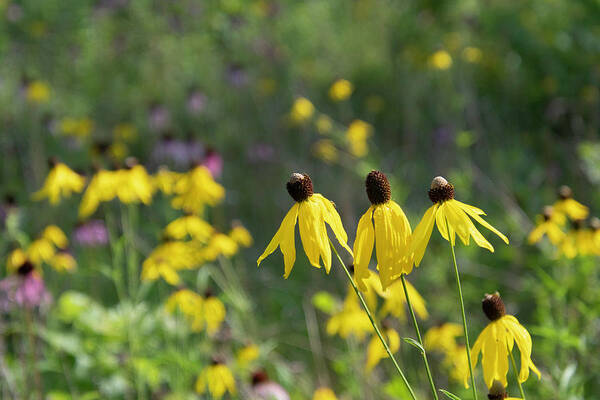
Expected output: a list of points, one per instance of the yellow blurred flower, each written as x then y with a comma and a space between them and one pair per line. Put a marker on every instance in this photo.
37, 92
60, 183
451, 217
325, 150
324, 394
395, 301
357, 134
472, 54
166, 259
312, 211
219, 244
15, 259
217, 379
443, 337
134, 185
302, 110
189, 225
241, 236
350, 320
375, 350
457, 363
102, 188
56, 236
213, 314
247, 354
441, 60
40, 250
189, 304
324, 124
124, 132
80, 128
165, 180
340, 90
549, 224
62, 261
196, 189
569, 206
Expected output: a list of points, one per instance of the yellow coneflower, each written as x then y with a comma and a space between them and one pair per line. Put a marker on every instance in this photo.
441, 60
395, 301
15, 259
302, 110
189, 225
357, 134
247, 354
188, 303
40, 250
577, 241
166, 259
219, 244
196, 189
443, 337
37, 92
549, 225
135, 184
165, 179
312, 211
217, 379
452, 217
62, 261
457, 363
569, 206
384, 226
350, 320
102, 188
213, 314
241, 235
324, 393
375, 350
497, 340
340, 90
60, 183
56, 236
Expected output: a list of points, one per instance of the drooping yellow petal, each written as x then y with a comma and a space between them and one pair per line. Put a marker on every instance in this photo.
386, 242
472, 230
422, 233
524, 343
483, 222
442, 224
313, 233
334, 221
287, 225
459, 222
363, 248
403, 231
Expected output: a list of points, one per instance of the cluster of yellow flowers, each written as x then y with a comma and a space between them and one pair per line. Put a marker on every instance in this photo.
443, 339
48, 248
353, 137
385, 227
577, 239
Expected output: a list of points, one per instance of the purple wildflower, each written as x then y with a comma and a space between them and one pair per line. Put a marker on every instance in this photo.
91, 234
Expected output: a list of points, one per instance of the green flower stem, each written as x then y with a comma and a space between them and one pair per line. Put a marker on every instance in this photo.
514, 365
416, 325
364, 304
464, 320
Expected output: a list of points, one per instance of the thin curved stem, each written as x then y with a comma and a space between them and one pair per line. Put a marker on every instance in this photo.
464, 319
364, 304
514, 365
416, 325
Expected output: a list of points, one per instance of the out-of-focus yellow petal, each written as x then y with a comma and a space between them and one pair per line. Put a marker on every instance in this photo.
287, 225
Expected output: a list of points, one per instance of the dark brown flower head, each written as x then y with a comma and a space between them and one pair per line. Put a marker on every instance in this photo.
547, 213
577, 224
300, 187
216, 360
52, 161
565, 192
208, 293
595, 224
440, 190
25, 269
378, 188
259, 376
497, 391
493, 306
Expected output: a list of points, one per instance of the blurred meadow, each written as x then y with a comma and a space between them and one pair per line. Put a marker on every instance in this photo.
145, 149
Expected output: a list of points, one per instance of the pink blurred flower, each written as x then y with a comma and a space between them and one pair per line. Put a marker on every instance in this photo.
214, 162
25, 289
91, 234
264, 389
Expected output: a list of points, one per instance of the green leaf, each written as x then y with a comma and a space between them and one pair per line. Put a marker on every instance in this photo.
413, 342
450, 395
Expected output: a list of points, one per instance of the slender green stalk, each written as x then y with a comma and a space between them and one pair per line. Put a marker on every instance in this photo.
364, 304
416, 325
464, 319
514, 365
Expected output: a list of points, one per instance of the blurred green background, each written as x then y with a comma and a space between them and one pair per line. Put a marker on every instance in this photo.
502, 98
